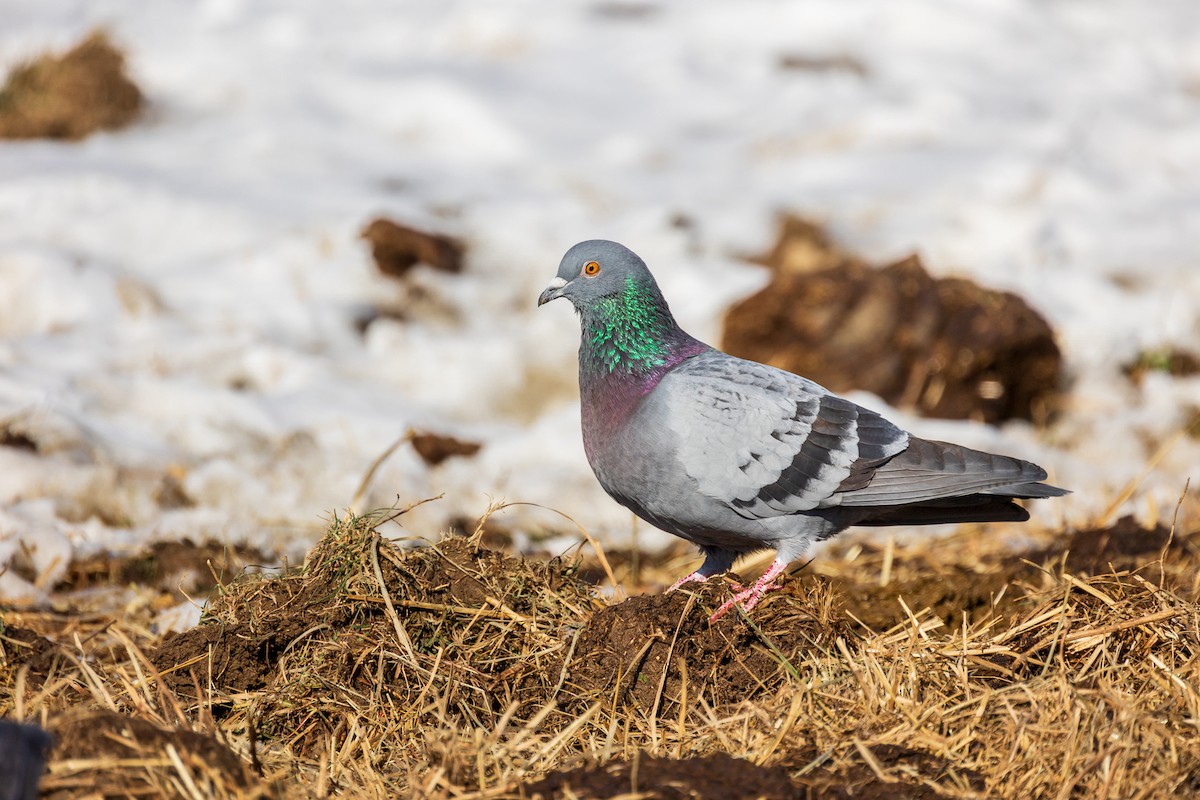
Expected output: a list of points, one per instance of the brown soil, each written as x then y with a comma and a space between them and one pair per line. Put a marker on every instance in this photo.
398, 248
897, 773
903, 774
625, 649
716, 776
1000, 586
241, 654
82, 735
69, 96
944, 346
176, 567
1124, 545
454, 669
13, 435
435, 448
29, 648
952, 594
280, 635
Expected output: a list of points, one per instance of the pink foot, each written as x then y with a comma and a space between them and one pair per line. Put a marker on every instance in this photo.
748, 598
695, 577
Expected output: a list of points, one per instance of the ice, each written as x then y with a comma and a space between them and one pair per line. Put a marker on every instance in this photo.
185, 297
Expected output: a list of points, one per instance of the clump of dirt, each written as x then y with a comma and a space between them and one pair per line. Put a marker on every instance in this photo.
70, 96
383, 624
179, 567
13, 434
139, 757
1123, 545
1003, 587
22, 646
435, 448
945, 347
893, 772
398, 248
952, 594
655, 651
1154, 552
715, 776
172, 493
1174, 362
896, 772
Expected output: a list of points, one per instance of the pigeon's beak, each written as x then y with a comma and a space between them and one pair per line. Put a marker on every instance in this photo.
553, 291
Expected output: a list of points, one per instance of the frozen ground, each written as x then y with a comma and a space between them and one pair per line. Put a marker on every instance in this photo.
178, 300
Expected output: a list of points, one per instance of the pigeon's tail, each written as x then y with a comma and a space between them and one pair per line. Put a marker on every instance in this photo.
971, 508
1028, 491
936, 479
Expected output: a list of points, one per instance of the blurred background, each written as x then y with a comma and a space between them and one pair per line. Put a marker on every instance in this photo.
247, 246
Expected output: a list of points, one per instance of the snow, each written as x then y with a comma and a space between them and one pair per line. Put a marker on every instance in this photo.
182, 297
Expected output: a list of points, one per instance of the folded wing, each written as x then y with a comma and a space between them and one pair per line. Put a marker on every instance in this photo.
768, 443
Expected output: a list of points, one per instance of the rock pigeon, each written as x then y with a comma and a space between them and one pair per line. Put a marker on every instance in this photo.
737, 456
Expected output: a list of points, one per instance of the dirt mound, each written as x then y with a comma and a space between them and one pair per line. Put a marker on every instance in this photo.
947, 668
182, 568
69, 96
885, 772
1000, 587
388, 626
882, 772
716, 776
653, 651
945, 346
22, 646
1125, 544
139, 758
950, 593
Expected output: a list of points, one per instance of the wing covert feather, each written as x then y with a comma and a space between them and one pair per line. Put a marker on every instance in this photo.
795, 446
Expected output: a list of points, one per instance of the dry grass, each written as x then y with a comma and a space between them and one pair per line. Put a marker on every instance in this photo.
455, 671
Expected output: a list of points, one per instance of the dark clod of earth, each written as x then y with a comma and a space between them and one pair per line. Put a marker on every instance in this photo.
398, 248
943, 346
70, 96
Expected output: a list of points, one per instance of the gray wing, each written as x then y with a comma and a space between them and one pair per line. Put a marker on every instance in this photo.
768, 443
928, 471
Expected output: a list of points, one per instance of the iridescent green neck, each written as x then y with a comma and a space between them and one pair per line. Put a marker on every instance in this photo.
629, 332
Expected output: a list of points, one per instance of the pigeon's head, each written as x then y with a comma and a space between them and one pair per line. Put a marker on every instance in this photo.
594, 270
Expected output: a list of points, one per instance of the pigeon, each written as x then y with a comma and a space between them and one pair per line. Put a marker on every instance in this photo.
737, 456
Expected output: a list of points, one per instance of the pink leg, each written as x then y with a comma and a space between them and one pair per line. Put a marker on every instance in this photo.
715, 562
695, 577
748, 598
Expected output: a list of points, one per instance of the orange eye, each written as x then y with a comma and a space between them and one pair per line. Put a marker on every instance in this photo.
591, 269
